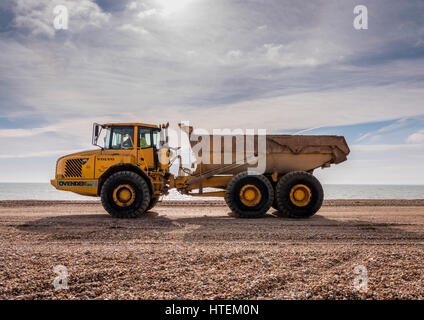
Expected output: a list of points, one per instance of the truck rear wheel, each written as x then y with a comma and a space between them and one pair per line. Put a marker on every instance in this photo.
298, 195
274, 203
125, 194
249, 196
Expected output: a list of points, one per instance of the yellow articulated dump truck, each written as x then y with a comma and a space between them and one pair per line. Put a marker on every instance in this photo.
131, 171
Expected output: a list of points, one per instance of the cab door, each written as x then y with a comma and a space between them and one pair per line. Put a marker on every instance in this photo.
146, 148
119, 147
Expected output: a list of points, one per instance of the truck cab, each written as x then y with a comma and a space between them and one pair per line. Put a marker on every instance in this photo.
133, 147
141, 141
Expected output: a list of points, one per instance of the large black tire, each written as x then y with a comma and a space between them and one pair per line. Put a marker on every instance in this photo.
153, 202
285, 205
234, 202
274, 204
140, 191
274, 184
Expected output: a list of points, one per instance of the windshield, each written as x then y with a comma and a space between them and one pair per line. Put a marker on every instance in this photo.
117, 137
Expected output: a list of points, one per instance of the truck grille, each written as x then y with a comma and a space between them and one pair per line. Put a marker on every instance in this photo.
73, 168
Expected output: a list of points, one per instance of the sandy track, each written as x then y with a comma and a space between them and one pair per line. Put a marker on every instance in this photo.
199, 251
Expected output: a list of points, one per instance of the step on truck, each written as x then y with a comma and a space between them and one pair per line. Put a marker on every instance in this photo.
131, 171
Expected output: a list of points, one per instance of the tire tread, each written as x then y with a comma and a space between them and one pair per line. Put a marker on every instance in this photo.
130, 213
282, 197
230, 200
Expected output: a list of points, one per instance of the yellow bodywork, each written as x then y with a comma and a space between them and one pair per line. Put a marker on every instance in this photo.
82, 172
98, 162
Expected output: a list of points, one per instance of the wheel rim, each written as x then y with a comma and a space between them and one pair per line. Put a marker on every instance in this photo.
300, 195
250, 195
124, 195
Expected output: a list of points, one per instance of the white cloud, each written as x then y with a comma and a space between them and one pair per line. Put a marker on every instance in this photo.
203, 61
234, 54
130, 27
147, 13
22, 133
313, 109
417, 137
378, 164
132, 5
378, 148
40, 154
290, 56
364, 136
171, 6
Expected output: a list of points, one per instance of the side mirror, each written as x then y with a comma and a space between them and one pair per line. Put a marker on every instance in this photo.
97, 128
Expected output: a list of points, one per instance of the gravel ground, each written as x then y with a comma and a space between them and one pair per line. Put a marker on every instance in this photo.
198, 251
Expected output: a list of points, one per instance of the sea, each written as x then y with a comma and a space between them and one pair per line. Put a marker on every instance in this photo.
44, 191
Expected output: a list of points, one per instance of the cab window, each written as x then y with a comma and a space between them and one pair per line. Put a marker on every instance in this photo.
119, 136
156, 138
145, 138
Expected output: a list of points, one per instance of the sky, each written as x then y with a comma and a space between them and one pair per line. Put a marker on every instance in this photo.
297, 67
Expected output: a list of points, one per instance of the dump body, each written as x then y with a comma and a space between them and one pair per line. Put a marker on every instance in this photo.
284, 153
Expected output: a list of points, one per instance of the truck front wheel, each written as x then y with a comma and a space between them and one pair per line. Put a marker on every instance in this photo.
152, 203
125, 194
298, 194
249, 196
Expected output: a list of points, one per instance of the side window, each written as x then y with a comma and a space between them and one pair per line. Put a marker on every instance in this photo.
144, 138
124, 135
107, 138
156, 139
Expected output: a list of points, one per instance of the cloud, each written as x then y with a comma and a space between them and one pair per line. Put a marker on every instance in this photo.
289, 56
147, 13
378, 164
22, 133
393, 131
417, 137
40, 154
310, 110
280, 65
105, 59
234, 53
305, 130
75, 127
129, 27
